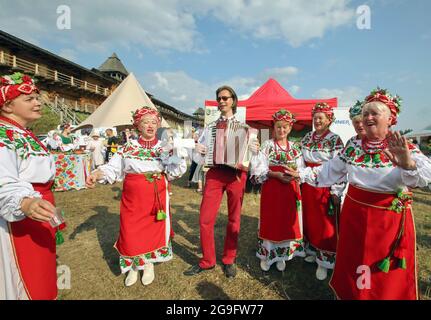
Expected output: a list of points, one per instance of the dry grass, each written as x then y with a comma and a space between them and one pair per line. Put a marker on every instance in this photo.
93, 225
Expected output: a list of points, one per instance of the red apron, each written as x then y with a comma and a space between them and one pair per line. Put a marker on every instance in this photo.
35, 252
279, 218
368, 233
140, 231
319, 226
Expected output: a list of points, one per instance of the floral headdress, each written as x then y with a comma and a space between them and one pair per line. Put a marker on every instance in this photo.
384, 96
140, 113
12, 86
356, 110
284, 115
324, 108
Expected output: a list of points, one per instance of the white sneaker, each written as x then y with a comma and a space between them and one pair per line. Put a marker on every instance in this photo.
281, 265
132, 277
321, 273
264, 265
148, 275
310, 259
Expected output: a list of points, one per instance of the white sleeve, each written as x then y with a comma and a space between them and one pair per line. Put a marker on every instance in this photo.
12, 189
113, 170
203, 139
420, 177
329, 173
175, 167
259, 165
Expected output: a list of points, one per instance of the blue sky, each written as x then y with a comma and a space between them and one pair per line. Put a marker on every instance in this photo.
182, 50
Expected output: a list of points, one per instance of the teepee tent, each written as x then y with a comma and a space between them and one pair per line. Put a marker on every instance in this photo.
116, 110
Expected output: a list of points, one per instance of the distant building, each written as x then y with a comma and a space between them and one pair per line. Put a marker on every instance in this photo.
70, 89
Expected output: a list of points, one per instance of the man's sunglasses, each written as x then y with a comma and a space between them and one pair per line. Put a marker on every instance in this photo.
224, 98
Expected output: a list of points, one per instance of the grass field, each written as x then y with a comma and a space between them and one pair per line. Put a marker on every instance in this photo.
93, 225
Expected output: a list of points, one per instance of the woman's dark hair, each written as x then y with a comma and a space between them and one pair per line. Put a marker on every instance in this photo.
232, 93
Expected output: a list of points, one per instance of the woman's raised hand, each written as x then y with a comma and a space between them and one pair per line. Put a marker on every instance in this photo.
399, 153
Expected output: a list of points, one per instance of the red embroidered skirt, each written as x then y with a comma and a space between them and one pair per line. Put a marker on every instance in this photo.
279, 219
319, 227
34, 247
140, 231
366, 236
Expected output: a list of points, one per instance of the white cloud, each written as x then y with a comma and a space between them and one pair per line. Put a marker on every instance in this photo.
68, 54
346, 96
187, 94
294, 89
171, 25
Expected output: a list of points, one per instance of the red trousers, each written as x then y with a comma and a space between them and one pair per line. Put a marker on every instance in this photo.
219, 180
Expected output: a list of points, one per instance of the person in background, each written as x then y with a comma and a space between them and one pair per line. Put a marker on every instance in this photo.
65, 140
111, 144
95, 146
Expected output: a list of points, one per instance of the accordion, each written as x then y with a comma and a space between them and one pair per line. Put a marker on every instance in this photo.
229, 143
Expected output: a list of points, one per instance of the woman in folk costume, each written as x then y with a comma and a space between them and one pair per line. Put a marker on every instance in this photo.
280, 223
320, 204
145, 221
27, 240
376, 253
97, 149
355, 114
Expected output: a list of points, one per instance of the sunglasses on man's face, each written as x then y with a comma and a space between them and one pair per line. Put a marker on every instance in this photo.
224, 98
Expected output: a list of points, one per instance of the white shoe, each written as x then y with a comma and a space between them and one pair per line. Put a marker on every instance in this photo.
132, 277
264, 265
281, 265
310, 259
321, 273
148, 276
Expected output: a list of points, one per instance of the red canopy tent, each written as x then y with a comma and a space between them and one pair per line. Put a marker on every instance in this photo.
270, 98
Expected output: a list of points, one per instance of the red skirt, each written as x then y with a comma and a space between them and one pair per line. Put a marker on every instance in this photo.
34, 247
140, 231
367, 235
319, 226
279, 219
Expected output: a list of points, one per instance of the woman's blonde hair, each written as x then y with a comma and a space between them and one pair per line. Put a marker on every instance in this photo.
378, 105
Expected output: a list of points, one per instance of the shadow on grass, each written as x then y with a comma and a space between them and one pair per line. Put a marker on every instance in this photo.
298, 281
210, 291
107, 226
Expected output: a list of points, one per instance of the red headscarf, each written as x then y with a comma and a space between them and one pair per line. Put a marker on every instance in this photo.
140, 113
324, 108
284, 115
392, 102
14, 85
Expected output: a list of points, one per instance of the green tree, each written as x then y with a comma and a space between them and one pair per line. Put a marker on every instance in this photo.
48, 121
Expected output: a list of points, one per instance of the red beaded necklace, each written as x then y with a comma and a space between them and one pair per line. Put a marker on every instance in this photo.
31, 134
374, 147
147, 144
286, 149
317, 138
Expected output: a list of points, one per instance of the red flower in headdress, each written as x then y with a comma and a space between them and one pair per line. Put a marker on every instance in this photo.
284, 115
14, 85
392, 102
140, 113
324, 108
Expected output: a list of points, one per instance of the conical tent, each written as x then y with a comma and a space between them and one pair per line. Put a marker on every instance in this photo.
116, 110
270, 98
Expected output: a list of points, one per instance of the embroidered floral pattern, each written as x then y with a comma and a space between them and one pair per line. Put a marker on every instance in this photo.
276, 156
138, 262
137, 152
282, 252
330, 143
21, 142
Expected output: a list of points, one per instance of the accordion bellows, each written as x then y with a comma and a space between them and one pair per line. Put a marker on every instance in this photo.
229, 144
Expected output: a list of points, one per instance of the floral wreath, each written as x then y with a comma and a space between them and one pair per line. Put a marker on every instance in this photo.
12, 86
393, 102
356, 110
284, 115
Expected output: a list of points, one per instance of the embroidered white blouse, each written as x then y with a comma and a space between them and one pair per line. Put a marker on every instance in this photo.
22, 162
271, 154
134, 158
370, 171
320, 151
